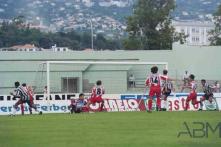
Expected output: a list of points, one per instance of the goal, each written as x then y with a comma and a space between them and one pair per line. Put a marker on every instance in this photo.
80, 76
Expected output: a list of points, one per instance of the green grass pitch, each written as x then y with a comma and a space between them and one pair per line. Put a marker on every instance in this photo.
117, 129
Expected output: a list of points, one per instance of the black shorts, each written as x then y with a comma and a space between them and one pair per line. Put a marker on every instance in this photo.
78, 110
75, 109
207, 96
166, 92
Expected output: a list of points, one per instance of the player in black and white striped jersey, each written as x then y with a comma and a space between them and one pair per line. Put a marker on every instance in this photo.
208, 93
22, 93
166, 88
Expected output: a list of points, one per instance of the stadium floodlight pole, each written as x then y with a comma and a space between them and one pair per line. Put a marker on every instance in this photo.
92, 34
48, 82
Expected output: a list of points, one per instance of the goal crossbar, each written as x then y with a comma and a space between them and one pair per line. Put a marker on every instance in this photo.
105, 62
95, 62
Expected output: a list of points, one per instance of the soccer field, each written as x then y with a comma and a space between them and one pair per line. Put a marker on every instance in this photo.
117, 129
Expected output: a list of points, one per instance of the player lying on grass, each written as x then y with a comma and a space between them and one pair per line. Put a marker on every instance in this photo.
22, 94
78, 105
96, 95
193, 94
208, 93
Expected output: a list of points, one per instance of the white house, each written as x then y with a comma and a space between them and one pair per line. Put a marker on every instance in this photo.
54, 48
197, 31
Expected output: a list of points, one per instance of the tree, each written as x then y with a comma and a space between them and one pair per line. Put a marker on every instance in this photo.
19, 21
113, 44
86, 40
150, 25
45, 42
100, 42
18, 32
74, 35
131, 43
216, 33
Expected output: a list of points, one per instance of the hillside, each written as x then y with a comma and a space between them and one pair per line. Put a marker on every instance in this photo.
106, 15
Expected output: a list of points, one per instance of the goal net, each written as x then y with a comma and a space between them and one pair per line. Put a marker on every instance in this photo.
80, 76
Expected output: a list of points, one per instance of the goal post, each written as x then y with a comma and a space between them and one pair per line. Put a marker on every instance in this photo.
73, 77
49, 64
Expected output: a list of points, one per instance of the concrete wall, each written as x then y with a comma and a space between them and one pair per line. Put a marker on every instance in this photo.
204, 62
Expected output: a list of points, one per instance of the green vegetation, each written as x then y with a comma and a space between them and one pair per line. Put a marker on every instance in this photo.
18, 33
126, 129
216, 33
150, 26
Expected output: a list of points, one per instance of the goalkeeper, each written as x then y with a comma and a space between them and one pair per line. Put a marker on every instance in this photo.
78, 105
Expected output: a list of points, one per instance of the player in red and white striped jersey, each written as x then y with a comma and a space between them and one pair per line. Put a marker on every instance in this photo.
154, 82
193, 94
96, 95
31, 95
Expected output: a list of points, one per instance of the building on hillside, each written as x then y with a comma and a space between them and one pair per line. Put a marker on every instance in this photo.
197, 31
88, 3
118, 3
26, 48
54, 48
33, 48
41, 27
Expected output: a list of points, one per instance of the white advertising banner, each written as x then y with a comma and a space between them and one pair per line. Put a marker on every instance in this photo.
59, 103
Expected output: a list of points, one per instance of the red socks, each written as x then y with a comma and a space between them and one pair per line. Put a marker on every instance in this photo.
150, 104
